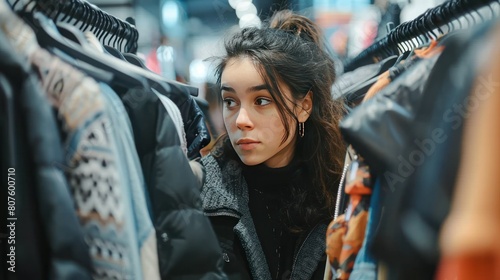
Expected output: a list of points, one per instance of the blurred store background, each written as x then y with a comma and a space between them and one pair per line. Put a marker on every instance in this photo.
177, 36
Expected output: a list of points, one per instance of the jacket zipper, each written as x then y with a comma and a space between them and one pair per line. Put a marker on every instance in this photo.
300, 248
339, 192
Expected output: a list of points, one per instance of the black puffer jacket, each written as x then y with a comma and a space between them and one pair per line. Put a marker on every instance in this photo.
197, 134
187, 245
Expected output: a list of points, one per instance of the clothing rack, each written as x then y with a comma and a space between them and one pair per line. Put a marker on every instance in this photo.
122, 34
424, 24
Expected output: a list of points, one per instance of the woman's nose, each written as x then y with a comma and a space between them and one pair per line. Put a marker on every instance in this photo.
243, 121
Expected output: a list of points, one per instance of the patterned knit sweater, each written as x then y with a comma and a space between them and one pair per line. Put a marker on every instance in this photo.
90, 159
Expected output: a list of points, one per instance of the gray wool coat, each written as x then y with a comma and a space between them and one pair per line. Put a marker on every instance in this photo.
225, 194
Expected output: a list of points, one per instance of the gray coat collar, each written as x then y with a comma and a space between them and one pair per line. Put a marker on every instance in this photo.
225, 193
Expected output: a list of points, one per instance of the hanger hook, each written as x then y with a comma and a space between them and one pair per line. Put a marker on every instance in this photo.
395, 38
82, 18
443, 15
116, 33
47, 7
471, 13
451, 16
132, 41
58, 9
109, 28
491, 9
125, 34
24, 6
89, 19
416, 31
73, 10
119, 34
435, 18
66, 9
404, 34
102, 26
135, 39
429, 28
14, 4
454, 11
391, 42
400, 38
129, 33
114, 29
413, 40
95, 22
480, 15
464, 12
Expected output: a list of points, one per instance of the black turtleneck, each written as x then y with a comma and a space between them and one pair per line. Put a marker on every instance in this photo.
268, 188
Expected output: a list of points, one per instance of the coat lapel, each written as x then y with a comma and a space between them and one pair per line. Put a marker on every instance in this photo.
225, 191
310, 253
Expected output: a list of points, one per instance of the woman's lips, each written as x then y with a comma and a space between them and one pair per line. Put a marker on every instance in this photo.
247, 144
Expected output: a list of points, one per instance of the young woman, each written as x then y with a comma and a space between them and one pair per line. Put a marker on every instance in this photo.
271, 181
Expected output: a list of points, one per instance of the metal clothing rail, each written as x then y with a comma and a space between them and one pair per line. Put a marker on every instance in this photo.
424, 24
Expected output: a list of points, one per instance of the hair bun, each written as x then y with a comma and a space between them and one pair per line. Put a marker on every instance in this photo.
297, 24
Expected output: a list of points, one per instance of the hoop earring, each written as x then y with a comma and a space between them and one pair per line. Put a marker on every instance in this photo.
302, 129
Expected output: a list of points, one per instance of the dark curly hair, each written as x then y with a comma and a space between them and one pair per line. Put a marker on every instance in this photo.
288, 49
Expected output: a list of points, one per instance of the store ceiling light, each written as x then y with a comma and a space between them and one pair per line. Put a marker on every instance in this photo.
234, 3
245, 8
170, 13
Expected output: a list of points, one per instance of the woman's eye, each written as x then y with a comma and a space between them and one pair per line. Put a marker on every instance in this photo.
262, 101
229, 102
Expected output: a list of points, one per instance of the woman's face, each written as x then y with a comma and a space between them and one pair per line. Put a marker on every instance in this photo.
252, 119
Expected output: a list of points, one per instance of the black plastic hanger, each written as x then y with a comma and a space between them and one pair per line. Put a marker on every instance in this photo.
125, 34
408, 38
114, 30
101, 31
132, 38
125, 75
135, 60
49, 38
74, 34
112, 51
14, 5
108, 28
118, 33
69, 31
356, 92
420, 33
455, 14
96, 22
86, 17
74, 11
